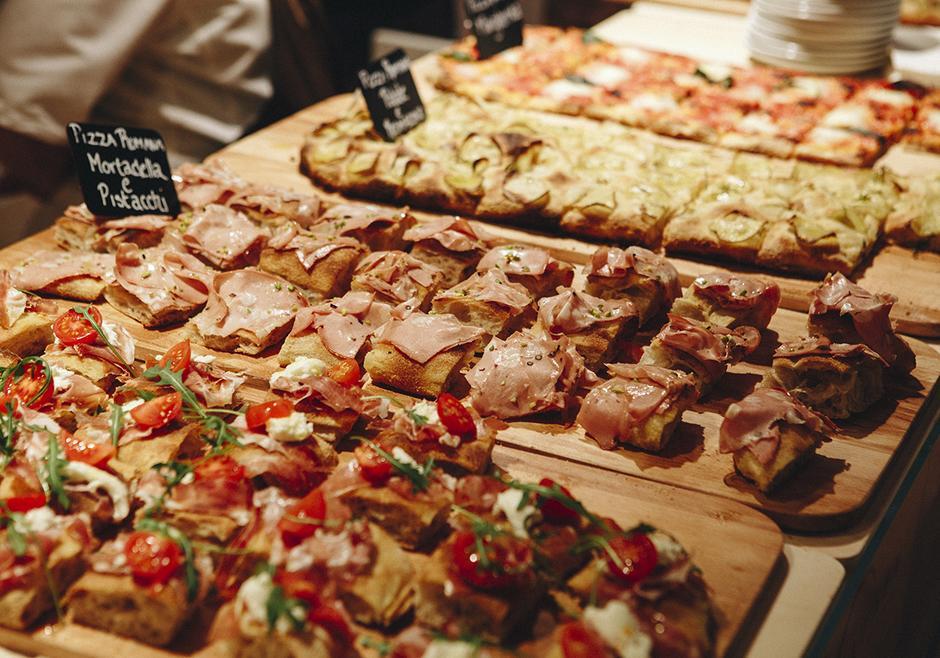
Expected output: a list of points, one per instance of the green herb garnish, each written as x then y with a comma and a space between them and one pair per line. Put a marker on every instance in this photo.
420, 476
83, 311
9, 424
117, 423
173, 474
54, 479
482, 530
18, 370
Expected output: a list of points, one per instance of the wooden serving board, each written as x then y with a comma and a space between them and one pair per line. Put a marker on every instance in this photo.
736, 547
272, 156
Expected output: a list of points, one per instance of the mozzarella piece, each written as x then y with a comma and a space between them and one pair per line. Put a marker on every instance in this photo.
604, 75
633, 55
856, 117
36, 520
98, 479
508, 503
298, 369
933, 120
563, 89
427, 409
294, 427
715, 72
60, 377
668, 550
813, 86
890, 97
204, 358
402, 456
16, 304
448, 649
758, 123
651, 101
251, 605
620, 629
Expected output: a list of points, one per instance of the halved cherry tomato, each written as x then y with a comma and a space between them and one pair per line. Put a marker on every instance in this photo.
257, 415
178, 357
455, 417
311, 508
636, 555
25, 502
297, 585
345, 372
579, 641
220, 469
153, 559
30, 384
510, 559
159, 411
72, 328
333, 621
9, 403
555, 511
375, 468
88, 452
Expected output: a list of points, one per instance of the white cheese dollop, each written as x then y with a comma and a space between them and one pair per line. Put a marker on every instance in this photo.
289, 428
655, 102
668, 549
204, 358
448, 649
402, 456
98, 479
60, 377
619, 628
298, 369
251, 605
428, 410
35, 520
16, 304
508, 502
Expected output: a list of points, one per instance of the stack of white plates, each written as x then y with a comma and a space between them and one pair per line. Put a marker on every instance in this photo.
822, 36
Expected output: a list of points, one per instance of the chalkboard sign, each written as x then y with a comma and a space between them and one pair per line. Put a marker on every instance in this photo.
122, 171
497, 25
391, 95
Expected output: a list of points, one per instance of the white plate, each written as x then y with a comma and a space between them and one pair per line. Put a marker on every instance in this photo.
839, 50
829, 68
831, 34
829, 11
853, 17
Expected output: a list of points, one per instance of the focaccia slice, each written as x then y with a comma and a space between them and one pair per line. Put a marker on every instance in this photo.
729, 300
648, 280
488, 300
322, 266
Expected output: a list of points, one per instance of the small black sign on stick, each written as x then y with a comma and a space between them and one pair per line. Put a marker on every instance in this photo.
122, 171
497, 25
391, 95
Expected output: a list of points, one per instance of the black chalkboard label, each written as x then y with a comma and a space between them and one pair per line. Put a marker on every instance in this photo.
122, 171
391, 95
497, 25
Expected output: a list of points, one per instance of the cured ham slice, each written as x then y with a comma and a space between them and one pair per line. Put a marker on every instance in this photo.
614, 263
489, 286
735, 290
421, 337
248, 310
308, 248
224, 237
396, 277
527, 373
451, 233
618, 409
572, 311
343, 324
755, 423
53, 271
163, 280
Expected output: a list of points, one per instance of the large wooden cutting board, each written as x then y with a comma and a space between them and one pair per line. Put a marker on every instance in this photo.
736, 547
272, 156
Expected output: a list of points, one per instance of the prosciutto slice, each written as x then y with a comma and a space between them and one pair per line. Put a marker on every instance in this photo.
348, 218
162, 278
46, 268
395, 274
868, 312
611, 262
571, 311
525, 374
421, 337
343, 324
214, 386
735, 290
451, 233
12, 301
614, 410
222, 235
754, 423
248, 300
822, 346
490, 286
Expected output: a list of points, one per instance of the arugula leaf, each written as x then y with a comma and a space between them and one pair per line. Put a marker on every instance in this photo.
177, 536
555, 493
9, 424
83, 311
54, 465
382, 647
17, 540
280, 606
481, 529
416, 418
220, 431
15, 537
420, 476
117, 423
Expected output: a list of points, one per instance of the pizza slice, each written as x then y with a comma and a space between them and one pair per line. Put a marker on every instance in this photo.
729, 300
223, 237
329, 398
100, 350
73, 275
488, 300
451, 244
770, 434
915, 219
380, 229
531, 267
25, 320
79, 230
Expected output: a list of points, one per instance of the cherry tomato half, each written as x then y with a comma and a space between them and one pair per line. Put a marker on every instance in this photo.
555, 511
375, 468
636, 557
159, 411
455, 417
510, 559
73, 328
25, 502
579, 641
298, 585
345, 372
178, 357
311, 508
333, 621
30, 383
88, 452
257, 415
153, 559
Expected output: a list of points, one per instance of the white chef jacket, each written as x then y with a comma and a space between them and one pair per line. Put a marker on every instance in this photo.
197, 71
